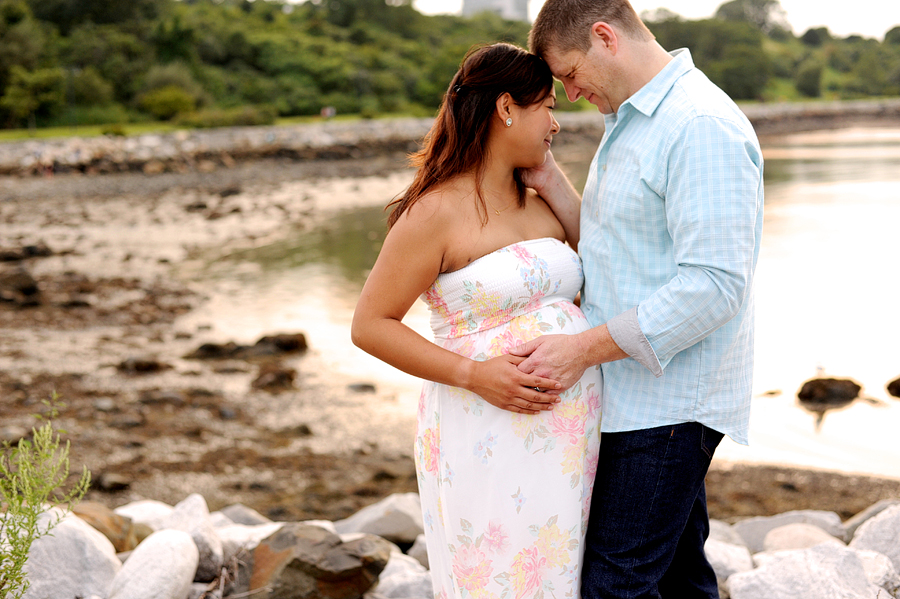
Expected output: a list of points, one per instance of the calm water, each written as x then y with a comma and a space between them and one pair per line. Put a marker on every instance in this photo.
828, 291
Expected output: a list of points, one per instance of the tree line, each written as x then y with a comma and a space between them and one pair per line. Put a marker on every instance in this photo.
227, 62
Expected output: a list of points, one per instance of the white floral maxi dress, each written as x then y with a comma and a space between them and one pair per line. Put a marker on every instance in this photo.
505, 496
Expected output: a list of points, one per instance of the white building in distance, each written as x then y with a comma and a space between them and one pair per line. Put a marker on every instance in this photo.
514, 10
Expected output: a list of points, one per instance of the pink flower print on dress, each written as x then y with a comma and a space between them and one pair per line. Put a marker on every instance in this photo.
568, 419
592, 397
464, 346
495, 539
433, 297
526, 573
472, 568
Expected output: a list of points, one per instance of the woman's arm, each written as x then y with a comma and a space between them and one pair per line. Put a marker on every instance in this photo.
556, 189
409, 262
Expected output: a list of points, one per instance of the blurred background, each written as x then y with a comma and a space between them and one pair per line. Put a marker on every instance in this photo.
195, 63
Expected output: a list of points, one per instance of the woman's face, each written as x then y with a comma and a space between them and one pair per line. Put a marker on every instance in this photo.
533, 129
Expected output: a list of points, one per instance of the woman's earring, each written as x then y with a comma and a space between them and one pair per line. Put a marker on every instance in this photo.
509, 122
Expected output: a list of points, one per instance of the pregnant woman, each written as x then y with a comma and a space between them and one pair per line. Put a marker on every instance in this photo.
505, 462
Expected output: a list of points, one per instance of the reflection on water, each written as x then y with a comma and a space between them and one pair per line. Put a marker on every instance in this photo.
346, 246
827, 291
832, 156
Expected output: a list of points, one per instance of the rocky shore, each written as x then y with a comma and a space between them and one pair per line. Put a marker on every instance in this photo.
207, 150
149, 549
98, 263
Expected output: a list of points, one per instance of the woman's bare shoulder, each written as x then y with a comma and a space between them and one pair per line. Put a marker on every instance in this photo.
440, 207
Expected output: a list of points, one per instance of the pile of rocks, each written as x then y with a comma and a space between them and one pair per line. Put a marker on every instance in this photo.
809, 554
149, 549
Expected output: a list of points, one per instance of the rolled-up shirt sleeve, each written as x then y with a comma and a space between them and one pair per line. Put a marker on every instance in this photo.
625, 330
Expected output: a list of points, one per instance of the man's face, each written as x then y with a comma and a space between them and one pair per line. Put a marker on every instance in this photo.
584, 75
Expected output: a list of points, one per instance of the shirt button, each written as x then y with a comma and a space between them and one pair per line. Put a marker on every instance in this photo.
604, 167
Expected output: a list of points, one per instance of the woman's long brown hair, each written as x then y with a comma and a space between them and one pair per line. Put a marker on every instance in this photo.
457, 141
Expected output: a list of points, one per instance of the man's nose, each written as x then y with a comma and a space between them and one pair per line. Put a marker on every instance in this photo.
572, 92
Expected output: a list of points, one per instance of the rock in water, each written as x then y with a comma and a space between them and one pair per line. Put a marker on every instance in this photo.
821, 395
894, 387
832, 392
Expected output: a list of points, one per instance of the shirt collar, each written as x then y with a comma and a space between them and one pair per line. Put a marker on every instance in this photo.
646, 99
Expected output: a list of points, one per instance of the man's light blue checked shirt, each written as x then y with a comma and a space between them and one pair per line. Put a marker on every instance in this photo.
671, 221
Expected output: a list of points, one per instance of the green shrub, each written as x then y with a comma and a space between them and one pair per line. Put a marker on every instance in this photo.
73, 116
165, 102
31, 476
809, 79
87, 87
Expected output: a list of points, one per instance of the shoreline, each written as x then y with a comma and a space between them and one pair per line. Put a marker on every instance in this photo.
206, 150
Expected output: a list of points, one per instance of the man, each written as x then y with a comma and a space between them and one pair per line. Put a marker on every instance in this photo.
670, 229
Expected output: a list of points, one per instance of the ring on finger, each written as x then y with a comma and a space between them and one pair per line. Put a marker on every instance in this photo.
538, 389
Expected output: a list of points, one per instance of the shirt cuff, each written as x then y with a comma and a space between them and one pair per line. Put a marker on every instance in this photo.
626, 331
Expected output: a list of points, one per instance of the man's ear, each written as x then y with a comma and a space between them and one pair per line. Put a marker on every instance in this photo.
605, 35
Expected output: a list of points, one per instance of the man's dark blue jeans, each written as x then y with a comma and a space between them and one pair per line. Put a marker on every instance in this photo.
648, 521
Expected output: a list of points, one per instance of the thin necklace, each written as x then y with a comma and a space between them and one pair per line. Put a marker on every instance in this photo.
497, 212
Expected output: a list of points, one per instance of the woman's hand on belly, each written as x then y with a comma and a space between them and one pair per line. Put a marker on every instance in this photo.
503, 385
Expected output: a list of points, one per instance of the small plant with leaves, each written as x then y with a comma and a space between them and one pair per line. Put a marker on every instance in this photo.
32, 476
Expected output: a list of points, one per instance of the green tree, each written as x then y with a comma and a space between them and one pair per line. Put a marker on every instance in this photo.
87, 87
66, 14
730, 53
121, 57
868, 77
23, 40
892, 37
765, 15
33, 92
809, 79
816, 36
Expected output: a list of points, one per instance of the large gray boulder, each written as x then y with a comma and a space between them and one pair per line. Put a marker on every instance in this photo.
882, 534
825, 571
754, 530
242, 538
880, 571
798, 535
404, 578
419, 550
74, 560
397, 518
162, 567
191, 515
303, 561
725, 532
727, 559
146, 511
870, 512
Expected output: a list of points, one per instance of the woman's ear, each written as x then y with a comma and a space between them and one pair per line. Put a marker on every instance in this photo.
504, 106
